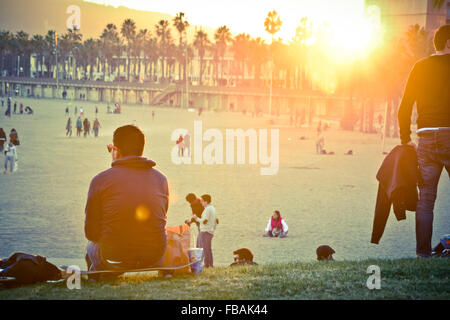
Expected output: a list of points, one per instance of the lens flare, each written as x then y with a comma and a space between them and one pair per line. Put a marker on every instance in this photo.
142, 213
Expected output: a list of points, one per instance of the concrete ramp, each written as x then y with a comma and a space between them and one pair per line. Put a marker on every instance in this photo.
166, 92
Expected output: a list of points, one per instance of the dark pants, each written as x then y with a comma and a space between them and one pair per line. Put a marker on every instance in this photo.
205, 243
433, 153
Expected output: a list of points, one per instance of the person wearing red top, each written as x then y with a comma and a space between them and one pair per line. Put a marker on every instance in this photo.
276, 227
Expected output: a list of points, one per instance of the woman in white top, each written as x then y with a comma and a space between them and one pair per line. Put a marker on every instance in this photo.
11, 156
276, 227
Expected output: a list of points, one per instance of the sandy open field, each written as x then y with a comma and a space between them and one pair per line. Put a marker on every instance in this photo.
324, 199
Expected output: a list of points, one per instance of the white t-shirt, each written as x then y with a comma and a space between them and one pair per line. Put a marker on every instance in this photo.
209, 213
11, 151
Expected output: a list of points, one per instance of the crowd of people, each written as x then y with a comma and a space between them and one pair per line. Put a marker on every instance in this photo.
16, 108
82, 124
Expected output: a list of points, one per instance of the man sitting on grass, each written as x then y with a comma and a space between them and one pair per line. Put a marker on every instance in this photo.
126, 208
243, 256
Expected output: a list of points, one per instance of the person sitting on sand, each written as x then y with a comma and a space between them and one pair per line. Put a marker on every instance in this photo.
243, 256
28, 110
126, 208
276, 227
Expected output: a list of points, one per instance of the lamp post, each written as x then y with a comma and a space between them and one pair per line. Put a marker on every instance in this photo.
56, 58
186, 70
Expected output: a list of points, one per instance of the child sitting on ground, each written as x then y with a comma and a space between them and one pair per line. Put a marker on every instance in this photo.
276, 227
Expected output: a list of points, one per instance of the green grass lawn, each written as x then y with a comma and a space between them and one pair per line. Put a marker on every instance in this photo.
400, 279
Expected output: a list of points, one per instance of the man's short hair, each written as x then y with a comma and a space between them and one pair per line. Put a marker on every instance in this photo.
441, 36
130, 140
244, 254
190, 197
207, 198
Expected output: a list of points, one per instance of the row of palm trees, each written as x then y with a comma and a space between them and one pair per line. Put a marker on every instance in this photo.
157, 53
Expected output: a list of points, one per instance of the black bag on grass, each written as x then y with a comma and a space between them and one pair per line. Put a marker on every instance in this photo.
28, 268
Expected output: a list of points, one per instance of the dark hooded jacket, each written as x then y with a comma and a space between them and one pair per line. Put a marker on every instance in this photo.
398, 177
126, 211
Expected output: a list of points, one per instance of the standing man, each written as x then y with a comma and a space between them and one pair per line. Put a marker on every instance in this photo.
96, 127
208, 223
126, 208
428, 86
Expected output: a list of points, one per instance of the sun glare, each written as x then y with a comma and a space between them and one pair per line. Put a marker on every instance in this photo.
356, 38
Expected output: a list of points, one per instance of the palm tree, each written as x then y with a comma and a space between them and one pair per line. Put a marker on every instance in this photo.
5, 47
258, 55
91, 50
110, 43
181, 25
418, 43
272, 25
303, 33
152, 54
241, 45
38, 45
138, 46
22, 50
49, 52
70, 42
128, 31
165, 39
222, 36
201, 43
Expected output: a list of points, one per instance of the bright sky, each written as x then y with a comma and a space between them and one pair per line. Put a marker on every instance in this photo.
248, 15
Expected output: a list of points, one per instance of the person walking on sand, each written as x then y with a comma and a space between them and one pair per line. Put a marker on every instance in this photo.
276, 227
69, 127
96, 127
8, 110
187, 144
79, 126
86, 127
153, 115
75, 111
10, 157
67, 111
180, 144
428, 86
208, 223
